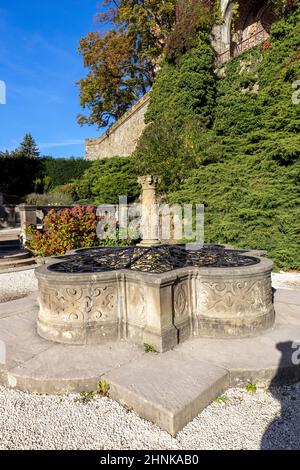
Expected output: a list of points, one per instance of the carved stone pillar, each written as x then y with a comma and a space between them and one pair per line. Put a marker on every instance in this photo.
150, 217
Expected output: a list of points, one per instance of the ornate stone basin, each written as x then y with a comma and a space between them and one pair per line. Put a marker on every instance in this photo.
158, 295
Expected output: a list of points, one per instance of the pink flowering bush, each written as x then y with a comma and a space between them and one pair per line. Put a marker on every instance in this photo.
65, 230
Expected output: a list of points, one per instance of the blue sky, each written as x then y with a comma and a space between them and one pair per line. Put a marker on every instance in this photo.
39, 64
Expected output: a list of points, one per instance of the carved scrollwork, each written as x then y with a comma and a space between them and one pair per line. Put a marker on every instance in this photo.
136, 299
74, 293
234, 298
180, 300
80, 304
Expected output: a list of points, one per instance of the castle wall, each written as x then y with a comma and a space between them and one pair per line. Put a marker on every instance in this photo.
121, 139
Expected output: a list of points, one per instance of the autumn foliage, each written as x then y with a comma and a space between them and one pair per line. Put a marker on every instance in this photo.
121, 61
65, 230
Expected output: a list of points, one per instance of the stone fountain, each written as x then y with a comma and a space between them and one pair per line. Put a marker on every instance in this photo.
154, 293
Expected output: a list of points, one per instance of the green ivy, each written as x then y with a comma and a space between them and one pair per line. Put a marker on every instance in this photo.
234, 144
185, 90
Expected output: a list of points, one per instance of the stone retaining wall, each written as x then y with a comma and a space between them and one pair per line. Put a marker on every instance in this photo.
121, 139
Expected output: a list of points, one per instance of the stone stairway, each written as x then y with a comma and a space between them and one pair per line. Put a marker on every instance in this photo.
12, 256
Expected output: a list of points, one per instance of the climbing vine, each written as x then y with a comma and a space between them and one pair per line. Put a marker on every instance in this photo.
235, 18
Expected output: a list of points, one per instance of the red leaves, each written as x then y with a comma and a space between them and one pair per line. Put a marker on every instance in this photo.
266, 44
64, 230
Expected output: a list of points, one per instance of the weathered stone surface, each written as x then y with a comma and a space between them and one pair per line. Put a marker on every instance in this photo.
28, 217
287, 313
258, 359
18, 334
158, 309
150, 220
79, 314
122, 137
168, 389
67, 369
287, 296
18, 306
235, 301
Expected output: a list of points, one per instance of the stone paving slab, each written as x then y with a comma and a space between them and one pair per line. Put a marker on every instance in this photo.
168, 389
287, 313
27, 304
36, 365
18, 332
65, 369
259, 360
287, 296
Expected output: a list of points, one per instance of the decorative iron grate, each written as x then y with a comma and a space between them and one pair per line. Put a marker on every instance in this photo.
158, 259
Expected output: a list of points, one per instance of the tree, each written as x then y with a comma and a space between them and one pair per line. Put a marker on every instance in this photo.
27, 149
192, 17
121, 62
5, 154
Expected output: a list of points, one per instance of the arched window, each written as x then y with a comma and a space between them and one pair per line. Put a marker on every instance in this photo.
250, 27
253, 24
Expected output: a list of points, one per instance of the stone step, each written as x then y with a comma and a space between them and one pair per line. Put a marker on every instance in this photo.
13, 255
168, 389
11, 264
16, 261
6, 243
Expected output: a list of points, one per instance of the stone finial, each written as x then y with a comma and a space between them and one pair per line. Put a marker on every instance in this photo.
149, 182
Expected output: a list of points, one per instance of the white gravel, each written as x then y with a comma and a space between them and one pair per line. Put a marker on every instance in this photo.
16, 285
240, 420
286, 280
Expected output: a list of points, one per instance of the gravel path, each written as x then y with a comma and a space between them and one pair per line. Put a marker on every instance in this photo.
17, 285
238, 420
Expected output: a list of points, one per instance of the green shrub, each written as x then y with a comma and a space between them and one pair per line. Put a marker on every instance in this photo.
108, 179
244, 164
172, 161
192, 17
49, 199
181, 108
68, 190
59, 171
43, 184
17, 175
185, 90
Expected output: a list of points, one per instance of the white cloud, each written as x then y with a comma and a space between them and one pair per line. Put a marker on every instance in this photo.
63, 143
